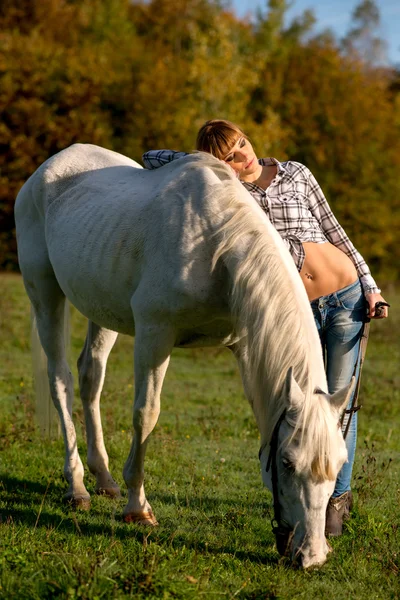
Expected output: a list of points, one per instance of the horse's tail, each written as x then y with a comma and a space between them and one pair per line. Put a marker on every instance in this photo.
46, 414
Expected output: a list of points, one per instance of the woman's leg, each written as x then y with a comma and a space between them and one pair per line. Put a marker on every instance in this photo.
340, 320
343, 481
343, 335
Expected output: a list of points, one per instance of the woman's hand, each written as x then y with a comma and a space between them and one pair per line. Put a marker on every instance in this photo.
372, 299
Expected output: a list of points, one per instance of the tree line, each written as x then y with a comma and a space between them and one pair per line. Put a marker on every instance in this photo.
135, 75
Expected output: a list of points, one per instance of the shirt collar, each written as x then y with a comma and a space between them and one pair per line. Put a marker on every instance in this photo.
266, 162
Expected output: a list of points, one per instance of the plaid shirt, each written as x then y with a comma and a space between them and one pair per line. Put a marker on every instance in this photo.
296, 206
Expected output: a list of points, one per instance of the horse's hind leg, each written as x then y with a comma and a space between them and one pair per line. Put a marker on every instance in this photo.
48, 302
153, 346
92, 366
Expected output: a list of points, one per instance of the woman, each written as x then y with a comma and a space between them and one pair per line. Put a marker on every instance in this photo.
337, 280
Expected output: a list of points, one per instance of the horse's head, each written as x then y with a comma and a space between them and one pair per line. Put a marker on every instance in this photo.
300, 467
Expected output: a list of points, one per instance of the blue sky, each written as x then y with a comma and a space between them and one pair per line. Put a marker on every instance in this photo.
336, 14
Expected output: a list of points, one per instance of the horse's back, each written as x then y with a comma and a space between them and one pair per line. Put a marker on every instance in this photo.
64, 170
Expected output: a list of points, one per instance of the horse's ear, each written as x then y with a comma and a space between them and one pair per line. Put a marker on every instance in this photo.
293, 392
341, 398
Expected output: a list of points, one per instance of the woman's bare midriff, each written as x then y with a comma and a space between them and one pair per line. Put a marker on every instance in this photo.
326, 269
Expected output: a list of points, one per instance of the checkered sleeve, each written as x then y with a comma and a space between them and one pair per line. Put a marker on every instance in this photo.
335, 233
153, 159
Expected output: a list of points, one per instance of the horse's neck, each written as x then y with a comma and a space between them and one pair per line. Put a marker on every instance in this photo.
272, 308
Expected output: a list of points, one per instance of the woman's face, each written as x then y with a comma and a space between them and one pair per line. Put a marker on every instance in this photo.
242, 158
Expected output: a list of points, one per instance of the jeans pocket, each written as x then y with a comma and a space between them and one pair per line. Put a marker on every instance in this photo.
353, 301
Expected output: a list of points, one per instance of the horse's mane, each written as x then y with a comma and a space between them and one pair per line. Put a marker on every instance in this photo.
273, 317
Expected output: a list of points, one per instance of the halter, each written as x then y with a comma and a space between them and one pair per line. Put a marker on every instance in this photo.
282, 531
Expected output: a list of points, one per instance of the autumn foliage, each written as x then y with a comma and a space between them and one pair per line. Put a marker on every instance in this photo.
132, 76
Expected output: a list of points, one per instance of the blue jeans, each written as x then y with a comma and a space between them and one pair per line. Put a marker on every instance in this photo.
340, 319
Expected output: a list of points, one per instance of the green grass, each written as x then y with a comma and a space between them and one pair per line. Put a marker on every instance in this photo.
202, 479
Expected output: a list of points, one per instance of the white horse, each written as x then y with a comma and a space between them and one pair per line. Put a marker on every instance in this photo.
181, 256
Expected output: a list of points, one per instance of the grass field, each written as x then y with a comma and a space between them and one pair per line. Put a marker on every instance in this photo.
203, 481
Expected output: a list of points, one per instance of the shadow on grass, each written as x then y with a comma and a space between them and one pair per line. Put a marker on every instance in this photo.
22, 501
48, 521
18, 486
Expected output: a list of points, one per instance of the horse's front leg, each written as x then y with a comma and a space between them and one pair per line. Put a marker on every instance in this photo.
153, 346
92, 366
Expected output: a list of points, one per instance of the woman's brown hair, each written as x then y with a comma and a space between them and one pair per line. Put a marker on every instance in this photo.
217, 137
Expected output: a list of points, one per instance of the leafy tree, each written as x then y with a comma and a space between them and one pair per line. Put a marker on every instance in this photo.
363, 37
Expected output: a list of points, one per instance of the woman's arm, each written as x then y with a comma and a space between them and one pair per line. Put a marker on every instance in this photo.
335, 233
153, 159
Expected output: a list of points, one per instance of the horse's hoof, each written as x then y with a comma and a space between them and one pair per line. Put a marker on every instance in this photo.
79, 502
82, 503
110, 492
144, 518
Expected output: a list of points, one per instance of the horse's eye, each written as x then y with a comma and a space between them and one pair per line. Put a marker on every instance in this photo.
288, 465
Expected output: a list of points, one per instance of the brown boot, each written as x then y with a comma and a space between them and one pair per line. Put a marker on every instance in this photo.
349, 506
335, 513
